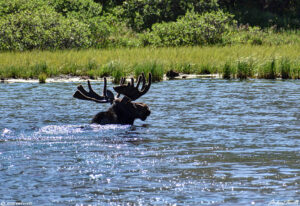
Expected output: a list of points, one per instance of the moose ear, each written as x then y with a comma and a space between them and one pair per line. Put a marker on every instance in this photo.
125, 100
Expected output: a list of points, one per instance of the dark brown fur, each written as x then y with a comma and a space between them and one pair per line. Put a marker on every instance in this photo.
122, 112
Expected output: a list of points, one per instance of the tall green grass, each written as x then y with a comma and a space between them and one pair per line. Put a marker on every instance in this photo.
244, 69
227, 71
242, 62
157, 70
42, 78
267, 70
285, 68
296, 71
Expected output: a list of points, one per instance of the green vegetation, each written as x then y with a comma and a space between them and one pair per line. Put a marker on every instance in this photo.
268, 70
244, 69
192, 29
230, 61
279, 13
70, 24
96, 38
227, 71
156, 69
285, 68
35, 24
42, 78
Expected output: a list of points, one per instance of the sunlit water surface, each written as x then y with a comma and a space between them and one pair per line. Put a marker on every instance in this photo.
210, 142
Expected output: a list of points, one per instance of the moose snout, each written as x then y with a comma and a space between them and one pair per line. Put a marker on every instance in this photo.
148, 112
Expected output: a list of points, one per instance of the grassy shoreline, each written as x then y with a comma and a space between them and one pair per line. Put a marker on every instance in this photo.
238, 61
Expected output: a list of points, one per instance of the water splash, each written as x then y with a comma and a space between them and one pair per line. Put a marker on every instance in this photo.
60, 129
59, 132
98, 128
75, 129
6, 132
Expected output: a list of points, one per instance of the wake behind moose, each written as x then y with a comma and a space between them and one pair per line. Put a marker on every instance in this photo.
122, 110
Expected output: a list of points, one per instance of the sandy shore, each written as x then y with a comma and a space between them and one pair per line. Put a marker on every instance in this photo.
66, 78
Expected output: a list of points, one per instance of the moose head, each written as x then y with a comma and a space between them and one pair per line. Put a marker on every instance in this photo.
123, 110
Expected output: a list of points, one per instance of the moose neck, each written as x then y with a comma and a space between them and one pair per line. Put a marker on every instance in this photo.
124, 116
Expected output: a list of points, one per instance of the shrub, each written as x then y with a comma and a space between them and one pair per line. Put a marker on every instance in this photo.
100, 32
142, 14
247, 34
42, 29
80, 9
52, 24
192, 29
89, 13
17, 6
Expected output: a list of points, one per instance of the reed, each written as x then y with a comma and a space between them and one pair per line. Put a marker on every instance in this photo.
206, 69
227, 71
157, 70
42, 78
268, 70
245, 61
187, 68
285, 68
12, 72
244, 69
295, 71
115, 70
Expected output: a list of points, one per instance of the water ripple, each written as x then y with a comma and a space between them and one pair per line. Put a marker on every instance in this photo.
207, 142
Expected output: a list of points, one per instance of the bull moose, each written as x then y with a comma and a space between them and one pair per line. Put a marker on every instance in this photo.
122, 110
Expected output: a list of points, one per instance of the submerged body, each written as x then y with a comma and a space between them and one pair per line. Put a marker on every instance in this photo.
122, 113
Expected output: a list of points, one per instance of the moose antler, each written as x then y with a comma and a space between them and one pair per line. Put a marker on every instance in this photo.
90, 95
132, 91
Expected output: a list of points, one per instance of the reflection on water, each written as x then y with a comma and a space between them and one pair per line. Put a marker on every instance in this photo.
210, 142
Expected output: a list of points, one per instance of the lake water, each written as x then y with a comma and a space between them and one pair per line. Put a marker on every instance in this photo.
206, 142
